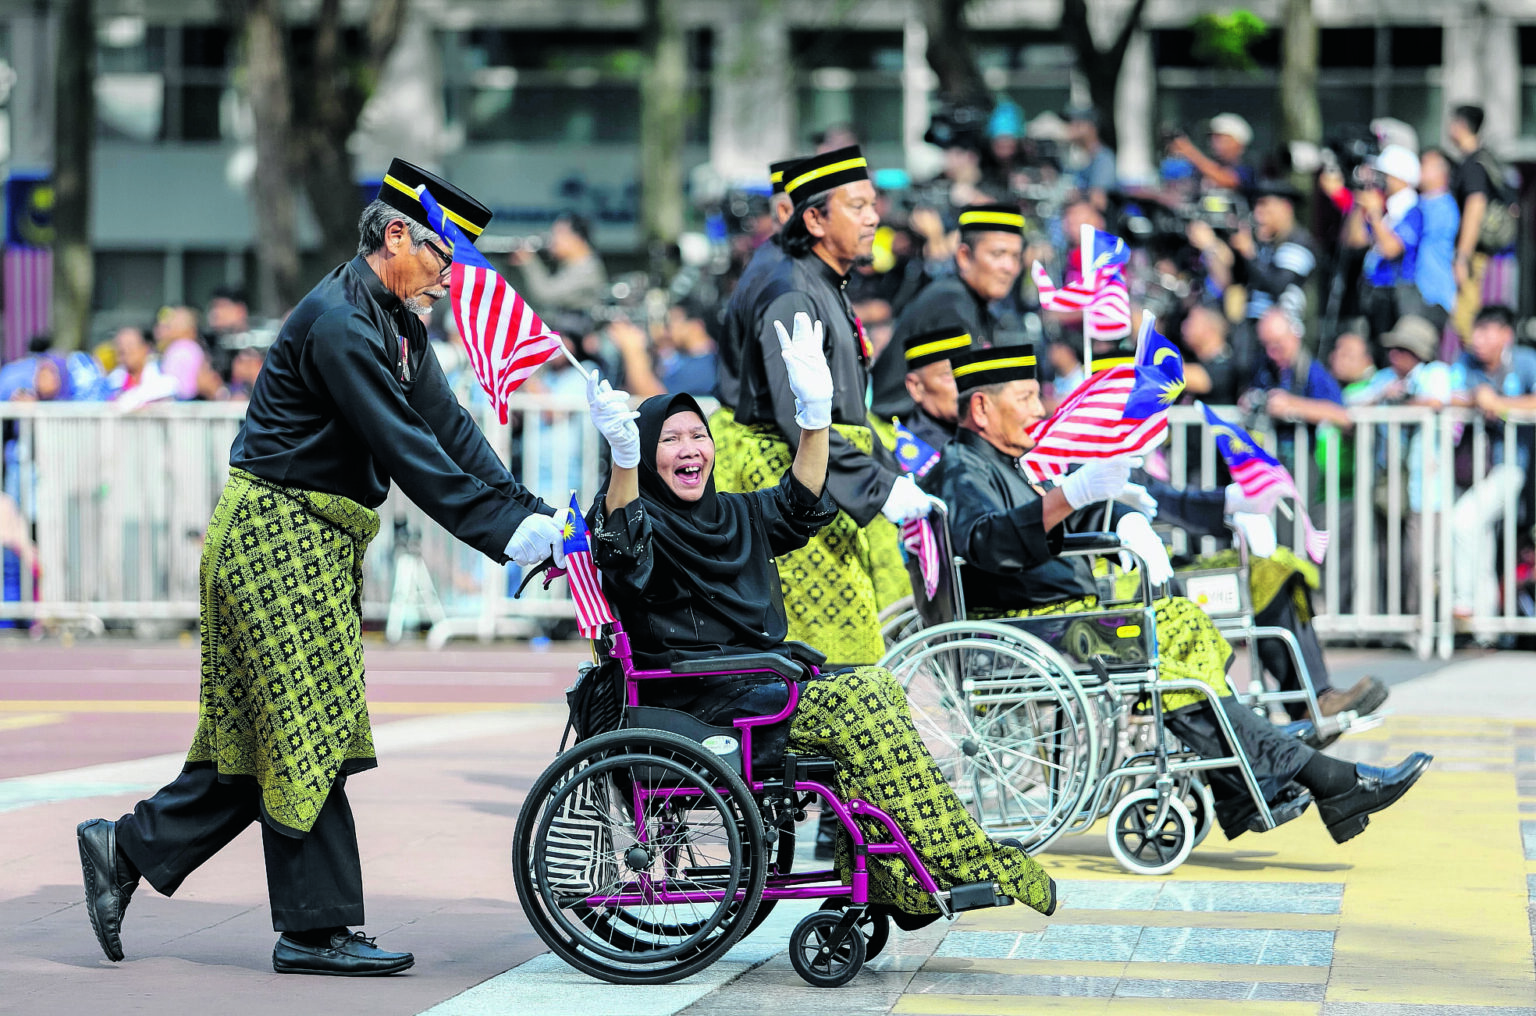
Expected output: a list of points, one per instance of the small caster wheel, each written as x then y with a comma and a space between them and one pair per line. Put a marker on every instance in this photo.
1142, 849
876, 927
816, 957
1202, 808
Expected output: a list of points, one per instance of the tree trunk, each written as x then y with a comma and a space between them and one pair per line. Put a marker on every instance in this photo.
950, 55
275, 187
74, 131
326, 111
1101, 67
663, 93
1300, 117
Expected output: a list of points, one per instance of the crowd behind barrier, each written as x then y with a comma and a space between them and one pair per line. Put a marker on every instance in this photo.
118, 502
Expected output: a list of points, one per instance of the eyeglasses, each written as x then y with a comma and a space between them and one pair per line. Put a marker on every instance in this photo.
447, 261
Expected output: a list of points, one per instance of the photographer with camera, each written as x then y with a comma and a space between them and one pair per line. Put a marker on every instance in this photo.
578, 282
1224, 168
1095, 174
1274, 260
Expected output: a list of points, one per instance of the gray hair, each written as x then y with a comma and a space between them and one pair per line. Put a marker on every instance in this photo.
376, 219
991, 391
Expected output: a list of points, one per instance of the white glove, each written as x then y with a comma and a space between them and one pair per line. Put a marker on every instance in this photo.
1137, 533
809, 376
906, 501
1134, 495
614, 420
539, 537
1261, 503
1097, 481
1258, 533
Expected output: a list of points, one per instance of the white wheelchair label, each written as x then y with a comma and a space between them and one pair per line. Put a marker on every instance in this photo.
1215, 594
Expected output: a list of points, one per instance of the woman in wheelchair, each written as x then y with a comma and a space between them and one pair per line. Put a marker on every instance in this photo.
1009, 532
689, 573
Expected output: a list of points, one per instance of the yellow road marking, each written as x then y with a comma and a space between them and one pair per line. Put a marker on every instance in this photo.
1024, 919
184, 706
1435, 908
22, 720
1248, 972
1020, 1005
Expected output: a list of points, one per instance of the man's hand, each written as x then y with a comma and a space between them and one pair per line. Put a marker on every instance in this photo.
1489, 401
1097, 481
1242, 242
537, 538
905, 502
1136, 532
1281, 403
1371, 201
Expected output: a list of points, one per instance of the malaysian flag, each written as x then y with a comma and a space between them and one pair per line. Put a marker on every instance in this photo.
1100, 295
917, 536
592, 610
1255, 471
913, 454
28, 297
506, 341
1120, 411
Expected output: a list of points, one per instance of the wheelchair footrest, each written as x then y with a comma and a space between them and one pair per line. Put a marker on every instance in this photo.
977, 896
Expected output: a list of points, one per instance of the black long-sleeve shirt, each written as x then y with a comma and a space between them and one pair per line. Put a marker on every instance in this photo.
351, 398
943, 303
857, 482
740, 318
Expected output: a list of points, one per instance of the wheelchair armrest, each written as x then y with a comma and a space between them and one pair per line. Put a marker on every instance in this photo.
1084, 543
755, 663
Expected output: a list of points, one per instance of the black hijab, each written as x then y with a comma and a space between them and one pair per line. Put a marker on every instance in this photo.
709, 544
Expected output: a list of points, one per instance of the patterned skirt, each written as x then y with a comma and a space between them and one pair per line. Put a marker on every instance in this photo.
282, 694
860, 718
1188, 644
834, 587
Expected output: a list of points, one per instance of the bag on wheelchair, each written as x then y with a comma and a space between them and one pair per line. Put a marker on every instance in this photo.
578, 856
596, 701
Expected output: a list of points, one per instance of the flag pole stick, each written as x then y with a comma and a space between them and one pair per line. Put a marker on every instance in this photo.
574, 362
1084, 260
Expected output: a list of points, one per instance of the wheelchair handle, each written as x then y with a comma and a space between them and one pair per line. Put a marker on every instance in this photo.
547, 568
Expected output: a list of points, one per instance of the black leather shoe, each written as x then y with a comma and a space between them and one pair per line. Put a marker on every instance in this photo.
106, 890
347, 954
1347, 814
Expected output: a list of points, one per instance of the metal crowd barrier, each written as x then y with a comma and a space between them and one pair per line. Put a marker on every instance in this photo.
119, 501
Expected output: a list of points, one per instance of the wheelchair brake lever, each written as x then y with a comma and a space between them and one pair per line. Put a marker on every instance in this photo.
546, 568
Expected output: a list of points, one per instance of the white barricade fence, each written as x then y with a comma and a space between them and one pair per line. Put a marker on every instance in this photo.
119, 502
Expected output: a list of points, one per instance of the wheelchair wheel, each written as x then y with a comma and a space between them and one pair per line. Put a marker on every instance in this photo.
1007, 722
1142, 849
898, 621
820, 956
639, 857
1202, 808
779, 859
874, 926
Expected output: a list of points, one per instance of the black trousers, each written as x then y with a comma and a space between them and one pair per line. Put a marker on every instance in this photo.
1276, 655
1275, 757
313, 881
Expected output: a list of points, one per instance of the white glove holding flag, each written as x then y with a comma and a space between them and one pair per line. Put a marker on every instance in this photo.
1258, 533
809, 376
614, 420
1097, 481
539, 537
1138, 536
906, 501
1134, 495
1261, 503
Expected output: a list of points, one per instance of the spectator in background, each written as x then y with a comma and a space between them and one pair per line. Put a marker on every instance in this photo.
1387, 219
1095, 176
244, 370
579, 281
1211, 374
689, 364
1495, 376
1067, 364
1413, 377
137, 380
1003, 166
878, 321
1275, 260
1435, 273
1474, 188
226, 323
1291, 385
181, 349
1224, 168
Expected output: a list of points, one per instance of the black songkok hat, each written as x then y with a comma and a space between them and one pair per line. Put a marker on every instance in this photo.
779, 172
399, 191
991, 219
976, 368
818, 174
935, 346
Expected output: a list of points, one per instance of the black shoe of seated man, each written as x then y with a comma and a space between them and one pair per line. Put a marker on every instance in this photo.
107, 887
826, 837
1346, 815
1292, 800
345, 954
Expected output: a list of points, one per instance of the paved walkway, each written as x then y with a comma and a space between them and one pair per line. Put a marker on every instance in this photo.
1429, 911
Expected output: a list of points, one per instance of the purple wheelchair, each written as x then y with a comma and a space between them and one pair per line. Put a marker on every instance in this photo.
644, 853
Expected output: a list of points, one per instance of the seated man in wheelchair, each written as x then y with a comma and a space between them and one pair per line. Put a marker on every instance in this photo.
1280, 584
1009, 533
689, 573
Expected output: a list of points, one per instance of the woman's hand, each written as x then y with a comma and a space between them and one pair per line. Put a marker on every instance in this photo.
614, 419
809, 376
